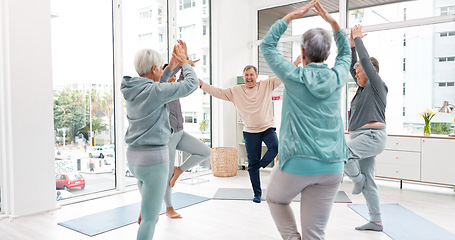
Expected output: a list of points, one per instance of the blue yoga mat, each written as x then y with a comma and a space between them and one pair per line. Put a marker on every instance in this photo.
403, 224
101, 222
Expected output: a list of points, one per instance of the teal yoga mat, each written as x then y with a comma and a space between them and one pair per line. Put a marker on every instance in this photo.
247, 194
403, 224
101, 222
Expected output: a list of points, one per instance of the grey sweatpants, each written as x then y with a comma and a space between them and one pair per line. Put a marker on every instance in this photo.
184, 142
364, 145
317, 195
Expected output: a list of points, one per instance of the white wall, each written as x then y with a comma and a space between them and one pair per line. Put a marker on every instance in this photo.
26, 141
233, 27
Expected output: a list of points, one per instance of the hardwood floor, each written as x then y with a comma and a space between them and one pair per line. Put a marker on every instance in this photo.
238, 220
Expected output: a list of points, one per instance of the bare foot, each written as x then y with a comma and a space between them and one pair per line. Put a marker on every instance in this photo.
177, 172
170, 212
139, 219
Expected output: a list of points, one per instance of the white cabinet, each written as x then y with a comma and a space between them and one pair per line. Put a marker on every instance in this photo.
397, 164
409, 144
400, 159
438, 161
418, 158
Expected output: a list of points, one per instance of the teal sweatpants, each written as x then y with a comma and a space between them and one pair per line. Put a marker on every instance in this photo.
151, 181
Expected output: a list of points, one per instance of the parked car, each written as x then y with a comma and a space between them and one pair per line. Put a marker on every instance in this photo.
109, 159
101, 151
66, 181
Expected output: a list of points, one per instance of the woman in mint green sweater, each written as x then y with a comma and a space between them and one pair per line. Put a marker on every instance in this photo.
312, 147
149, 130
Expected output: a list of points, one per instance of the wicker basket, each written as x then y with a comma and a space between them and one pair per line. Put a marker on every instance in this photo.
224, 161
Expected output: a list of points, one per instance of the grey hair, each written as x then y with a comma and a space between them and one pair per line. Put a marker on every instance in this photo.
145, 59
373, 60
248, 67
316, 42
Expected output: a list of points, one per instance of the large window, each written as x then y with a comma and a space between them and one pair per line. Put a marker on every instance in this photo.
82, 54
416, 59
426, 54
83, 67
195, 31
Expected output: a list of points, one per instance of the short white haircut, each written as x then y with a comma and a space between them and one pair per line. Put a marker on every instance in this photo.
316, 42
145, 59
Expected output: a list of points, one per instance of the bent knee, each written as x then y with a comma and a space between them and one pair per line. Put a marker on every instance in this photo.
207, 153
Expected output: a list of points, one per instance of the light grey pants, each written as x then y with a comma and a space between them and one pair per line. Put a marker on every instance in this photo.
317, 195
364, 145
184, 142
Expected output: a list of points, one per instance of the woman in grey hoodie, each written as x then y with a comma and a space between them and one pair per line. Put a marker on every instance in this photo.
149, 129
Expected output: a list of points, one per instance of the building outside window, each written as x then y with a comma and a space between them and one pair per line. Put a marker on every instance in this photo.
446, 84
184, 4
448, 10
192, 56
446, 59
186, 31
145, 13
447, 34
190, 117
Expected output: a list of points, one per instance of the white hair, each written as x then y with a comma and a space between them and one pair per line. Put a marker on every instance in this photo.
145, 59
316, 42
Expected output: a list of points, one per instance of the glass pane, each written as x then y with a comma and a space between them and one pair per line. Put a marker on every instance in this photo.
194, 23
83, 95
139, 32
387, 11
424, 80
